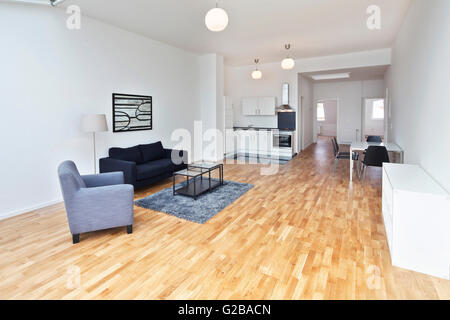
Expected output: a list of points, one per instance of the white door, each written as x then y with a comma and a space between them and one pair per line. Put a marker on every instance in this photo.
249, 106
266, 106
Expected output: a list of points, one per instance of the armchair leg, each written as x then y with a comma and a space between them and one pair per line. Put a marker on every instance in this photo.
130, 229
76, 238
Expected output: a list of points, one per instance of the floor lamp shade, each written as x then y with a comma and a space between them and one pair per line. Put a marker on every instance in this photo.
94, 123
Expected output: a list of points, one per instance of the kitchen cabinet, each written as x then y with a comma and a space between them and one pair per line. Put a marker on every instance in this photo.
250, 106
258, 106
254, 141
266, 106
247, 141
265, 141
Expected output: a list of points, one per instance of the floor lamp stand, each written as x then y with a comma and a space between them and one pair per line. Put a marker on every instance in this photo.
95, 154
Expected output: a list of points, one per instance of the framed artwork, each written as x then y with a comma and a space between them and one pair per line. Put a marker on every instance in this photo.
132, 112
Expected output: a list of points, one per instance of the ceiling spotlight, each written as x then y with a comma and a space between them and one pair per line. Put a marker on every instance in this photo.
216, 19
256, 75
288, 63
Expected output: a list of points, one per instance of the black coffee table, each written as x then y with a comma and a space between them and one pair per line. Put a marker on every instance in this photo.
196, 183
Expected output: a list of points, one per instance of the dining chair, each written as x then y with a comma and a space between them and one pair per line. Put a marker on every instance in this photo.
375, 156
374, 139
338, 155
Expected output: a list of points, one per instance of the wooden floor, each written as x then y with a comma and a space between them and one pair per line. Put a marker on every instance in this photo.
299, 234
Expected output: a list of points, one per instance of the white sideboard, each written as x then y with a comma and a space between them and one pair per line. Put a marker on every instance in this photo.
416, 214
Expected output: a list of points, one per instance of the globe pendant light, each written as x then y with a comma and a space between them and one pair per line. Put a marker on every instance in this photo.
288, 63
216, 19
256, 75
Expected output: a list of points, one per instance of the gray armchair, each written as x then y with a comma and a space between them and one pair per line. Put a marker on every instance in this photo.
95, 202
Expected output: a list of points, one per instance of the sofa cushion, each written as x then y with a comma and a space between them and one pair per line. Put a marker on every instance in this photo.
153, 168
152, 151
127, 154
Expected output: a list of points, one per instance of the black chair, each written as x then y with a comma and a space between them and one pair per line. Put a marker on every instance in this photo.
375, 157
374, 139
341, 155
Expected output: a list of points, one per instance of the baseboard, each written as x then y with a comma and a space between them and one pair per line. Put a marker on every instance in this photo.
11, 214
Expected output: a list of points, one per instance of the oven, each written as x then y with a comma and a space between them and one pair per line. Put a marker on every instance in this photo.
282, 140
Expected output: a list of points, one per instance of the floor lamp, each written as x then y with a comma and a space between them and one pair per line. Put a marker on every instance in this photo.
94, 123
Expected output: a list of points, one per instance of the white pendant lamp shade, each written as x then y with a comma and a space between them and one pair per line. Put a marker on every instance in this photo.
288, 63
216, 19
256, 75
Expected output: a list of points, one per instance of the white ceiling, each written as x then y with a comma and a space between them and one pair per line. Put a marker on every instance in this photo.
257, 28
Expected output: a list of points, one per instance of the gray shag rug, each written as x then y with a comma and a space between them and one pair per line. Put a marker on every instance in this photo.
201, 210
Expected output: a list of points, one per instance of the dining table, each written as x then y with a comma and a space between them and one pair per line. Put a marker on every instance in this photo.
361, 146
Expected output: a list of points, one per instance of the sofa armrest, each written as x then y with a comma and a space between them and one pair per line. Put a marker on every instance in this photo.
113, 165
177, 156
103, 179
101, 208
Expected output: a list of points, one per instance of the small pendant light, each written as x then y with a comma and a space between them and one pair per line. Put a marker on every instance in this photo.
288, 63
256, 75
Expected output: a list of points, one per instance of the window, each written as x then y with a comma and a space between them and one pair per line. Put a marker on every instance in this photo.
320, 112
378, 110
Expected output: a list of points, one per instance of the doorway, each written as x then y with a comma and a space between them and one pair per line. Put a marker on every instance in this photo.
326, 119
373, 118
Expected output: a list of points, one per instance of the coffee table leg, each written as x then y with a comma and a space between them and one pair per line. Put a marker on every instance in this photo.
173, 185
195, 192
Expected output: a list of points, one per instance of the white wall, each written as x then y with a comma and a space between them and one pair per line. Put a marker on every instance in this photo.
50, 76
350, 95
211, 102
306, 116
418, 84
329, 126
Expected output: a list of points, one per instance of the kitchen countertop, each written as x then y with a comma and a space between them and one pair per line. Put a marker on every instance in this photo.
260, 128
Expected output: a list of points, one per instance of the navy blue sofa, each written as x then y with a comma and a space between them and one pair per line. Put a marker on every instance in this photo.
144, 165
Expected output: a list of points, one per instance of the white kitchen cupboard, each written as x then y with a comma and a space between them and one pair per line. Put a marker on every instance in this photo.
265, 142
247, 141
254, 141
266, 106
250, 106
258, 106
416, 214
